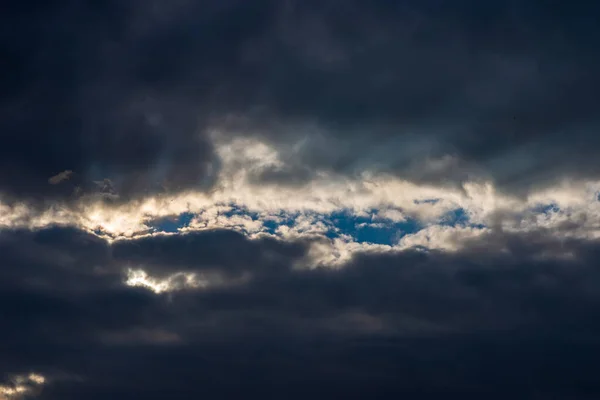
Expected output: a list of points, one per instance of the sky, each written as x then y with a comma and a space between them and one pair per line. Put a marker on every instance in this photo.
295, 199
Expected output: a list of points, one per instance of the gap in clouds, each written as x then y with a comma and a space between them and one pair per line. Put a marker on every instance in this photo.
385, 226
171, 224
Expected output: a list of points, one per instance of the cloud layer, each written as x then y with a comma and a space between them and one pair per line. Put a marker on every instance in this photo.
292, 199
427, 91
497, 318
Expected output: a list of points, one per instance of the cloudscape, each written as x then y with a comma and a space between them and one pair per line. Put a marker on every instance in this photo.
298, 199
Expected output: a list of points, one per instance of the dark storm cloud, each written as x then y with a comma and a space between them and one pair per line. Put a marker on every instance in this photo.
58, 291
76, 96
125, 90
508, 89
226, 251
116, 98
491, 320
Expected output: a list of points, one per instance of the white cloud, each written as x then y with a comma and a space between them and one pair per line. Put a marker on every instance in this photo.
379, 197
138, 277
178, 281
449, 238
22, 386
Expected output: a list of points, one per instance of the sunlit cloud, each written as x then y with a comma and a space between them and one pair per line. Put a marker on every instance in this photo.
178, 281
288, 212
22, 386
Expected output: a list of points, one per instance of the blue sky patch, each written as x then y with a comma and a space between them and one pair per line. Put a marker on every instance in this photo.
363, 228
366, 230
458, 217
547, 208
172, 223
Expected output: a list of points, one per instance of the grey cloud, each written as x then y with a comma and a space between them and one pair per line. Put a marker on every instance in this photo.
506, 90
124, 93
498, 87
60, 177
73, 104
225, 251
493, 319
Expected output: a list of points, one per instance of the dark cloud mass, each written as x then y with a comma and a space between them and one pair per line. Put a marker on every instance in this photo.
126, 99
417, 324
207, 250
126, 90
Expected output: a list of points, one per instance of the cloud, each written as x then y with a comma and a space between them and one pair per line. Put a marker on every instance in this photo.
299, 200
386, 104
22, 386
61, 176
495, 305
139, 94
